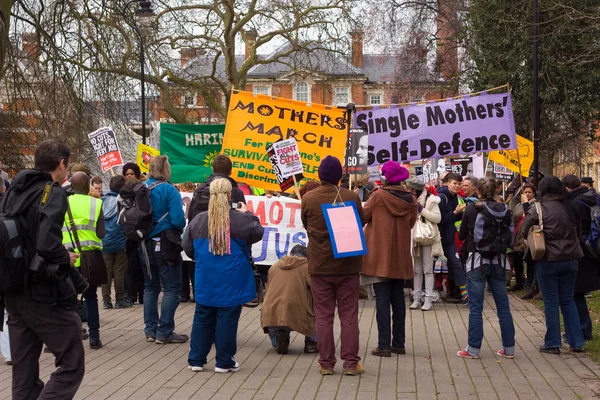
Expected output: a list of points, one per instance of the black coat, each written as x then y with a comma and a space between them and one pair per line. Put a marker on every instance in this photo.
588, 274
562, 230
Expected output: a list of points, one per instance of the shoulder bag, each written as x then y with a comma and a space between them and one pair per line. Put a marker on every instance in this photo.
535, 237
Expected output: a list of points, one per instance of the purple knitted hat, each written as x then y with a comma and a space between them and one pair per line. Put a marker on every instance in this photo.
330, 170
394, 173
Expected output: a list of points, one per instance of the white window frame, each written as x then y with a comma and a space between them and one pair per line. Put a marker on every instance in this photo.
256, 87
308, 89
348, 91
194, 100
371, 95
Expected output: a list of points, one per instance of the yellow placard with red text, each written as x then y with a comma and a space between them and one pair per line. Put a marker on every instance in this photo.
255, 121
510, 159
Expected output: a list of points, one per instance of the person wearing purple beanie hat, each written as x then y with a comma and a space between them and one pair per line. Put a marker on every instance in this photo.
391, 213
332, 279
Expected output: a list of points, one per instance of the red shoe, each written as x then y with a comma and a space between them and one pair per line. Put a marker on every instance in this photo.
465, 354
501, 353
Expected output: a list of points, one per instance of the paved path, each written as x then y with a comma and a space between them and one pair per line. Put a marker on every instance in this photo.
129, 368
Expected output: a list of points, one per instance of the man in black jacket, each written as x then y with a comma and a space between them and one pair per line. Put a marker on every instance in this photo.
587, 279
452, 212
222, 167
33, 323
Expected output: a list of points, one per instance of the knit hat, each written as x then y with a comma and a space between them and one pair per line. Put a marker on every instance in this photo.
394, 173
330, 170
414, 183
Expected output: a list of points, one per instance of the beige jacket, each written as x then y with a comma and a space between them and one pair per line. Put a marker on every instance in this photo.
431, 212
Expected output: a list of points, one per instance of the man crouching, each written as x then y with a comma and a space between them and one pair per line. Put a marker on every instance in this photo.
288, 304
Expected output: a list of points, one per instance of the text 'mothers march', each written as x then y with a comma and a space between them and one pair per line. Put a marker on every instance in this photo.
256, 121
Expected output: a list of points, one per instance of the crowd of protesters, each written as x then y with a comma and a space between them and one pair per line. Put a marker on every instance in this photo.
432, 250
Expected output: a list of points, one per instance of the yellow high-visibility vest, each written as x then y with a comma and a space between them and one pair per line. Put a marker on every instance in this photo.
86, 210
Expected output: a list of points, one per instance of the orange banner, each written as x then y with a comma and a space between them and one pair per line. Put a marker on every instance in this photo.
256, 121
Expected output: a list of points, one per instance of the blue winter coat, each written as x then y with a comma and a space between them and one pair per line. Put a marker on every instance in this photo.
223, 281
114, 240
165, 199
447, 226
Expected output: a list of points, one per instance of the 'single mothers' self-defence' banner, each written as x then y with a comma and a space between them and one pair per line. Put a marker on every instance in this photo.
433, 130
255, 121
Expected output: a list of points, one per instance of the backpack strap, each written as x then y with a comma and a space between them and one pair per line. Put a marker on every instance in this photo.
585, 204
152, 186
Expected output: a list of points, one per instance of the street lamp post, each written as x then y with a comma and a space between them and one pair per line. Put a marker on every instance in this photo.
144, 13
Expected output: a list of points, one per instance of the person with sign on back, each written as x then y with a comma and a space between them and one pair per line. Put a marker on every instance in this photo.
83, 231
333, 280
34, 320
486, 229
164, 271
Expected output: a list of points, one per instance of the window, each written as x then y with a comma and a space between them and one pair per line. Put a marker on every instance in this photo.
262, 90
341, 96
301, 92
375, 99
188, 100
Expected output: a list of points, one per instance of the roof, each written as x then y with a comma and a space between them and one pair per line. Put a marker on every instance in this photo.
377, 68
381, 68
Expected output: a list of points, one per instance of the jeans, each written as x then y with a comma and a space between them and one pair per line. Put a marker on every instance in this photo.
116, 267
423, 268
169, 278
517, 260
494, 275
455, 266
188, 270
584, 315
391, 330
91, 304
220, 325
556, 280
273, 334
327, 290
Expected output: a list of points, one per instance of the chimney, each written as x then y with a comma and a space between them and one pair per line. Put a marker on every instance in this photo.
357, 48
447, 48
186, 54
30, 46
418, 50
251, 36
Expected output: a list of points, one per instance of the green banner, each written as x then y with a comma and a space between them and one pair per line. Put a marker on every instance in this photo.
191, 150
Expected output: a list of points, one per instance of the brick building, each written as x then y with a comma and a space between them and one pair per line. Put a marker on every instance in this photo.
323, 77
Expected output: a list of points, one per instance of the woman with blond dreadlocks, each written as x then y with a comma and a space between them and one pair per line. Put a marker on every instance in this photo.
220, 240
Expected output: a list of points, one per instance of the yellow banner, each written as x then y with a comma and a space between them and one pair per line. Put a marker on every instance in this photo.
510, 160
256, 121
144, 154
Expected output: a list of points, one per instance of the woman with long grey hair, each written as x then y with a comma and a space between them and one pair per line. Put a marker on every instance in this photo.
220, 240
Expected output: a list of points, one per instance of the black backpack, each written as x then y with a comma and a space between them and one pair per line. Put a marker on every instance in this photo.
199, 201
493, 233
135, 215
16, 247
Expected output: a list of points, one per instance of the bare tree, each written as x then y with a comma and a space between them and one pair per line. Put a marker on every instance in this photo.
97, 37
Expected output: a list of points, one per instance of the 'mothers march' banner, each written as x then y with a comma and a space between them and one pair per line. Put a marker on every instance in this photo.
437, 129
256, 121
280, 216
